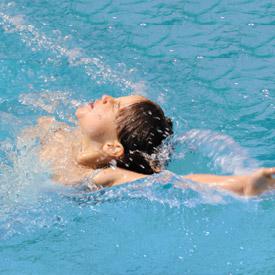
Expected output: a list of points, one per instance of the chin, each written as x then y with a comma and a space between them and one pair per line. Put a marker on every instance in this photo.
81, 111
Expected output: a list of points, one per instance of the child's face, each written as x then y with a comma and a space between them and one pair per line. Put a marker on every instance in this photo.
97, 119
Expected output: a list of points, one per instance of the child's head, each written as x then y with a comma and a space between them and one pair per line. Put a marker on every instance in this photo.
126, 129
141, 129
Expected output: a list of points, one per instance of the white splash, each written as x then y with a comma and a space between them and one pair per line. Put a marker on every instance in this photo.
94, 67
56, 103
223, 151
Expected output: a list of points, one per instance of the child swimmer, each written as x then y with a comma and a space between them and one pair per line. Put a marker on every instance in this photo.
125, 131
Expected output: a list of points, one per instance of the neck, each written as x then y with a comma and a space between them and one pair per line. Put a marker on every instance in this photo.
88, 153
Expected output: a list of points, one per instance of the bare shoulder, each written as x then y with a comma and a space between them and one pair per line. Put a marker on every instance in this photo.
45, 126
110, 177
35, 131
40, 128
47, 123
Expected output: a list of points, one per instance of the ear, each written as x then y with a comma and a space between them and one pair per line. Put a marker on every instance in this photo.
113, 149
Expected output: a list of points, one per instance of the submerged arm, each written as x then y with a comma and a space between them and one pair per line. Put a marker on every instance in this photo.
248, 185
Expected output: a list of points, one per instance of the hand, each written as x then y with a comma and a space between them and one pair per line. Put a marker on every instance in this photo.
260, 181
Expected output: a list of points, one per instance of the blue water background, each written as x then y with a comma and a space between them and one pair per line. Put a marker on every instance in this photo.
210, 64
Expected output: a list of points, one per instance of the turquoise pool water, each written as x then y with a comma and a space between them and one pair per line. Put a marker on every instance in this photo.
210, 64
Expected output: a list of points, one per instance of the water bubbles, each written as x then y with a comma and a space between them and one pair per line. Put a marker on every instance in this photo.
17, 20
56, 32
73, 54
11, 4
191, 251
161, 98
265, 92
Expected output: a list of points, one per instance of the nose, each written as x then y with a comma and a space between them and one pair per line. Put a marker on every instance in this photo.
106, 98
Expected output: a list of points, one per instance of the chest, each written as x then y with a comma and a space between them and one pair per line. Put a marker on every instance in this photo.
58, 153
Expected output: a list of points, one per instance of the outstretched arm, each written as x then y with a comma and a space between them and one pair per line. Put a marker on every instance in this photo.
248, 185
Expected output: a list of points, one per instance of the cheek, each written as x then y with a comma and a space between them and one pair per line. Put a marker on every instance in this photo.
92, 125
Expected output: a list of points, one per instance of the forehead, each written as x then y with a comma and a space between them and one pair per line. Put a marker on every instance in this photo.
129, 100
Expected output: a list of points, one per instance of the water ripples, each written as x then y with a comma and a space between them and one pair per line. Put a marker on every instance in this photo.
209, 63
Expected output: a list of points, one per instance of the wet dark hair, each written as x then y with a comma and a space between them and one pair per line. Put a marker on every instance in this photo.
142, 128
